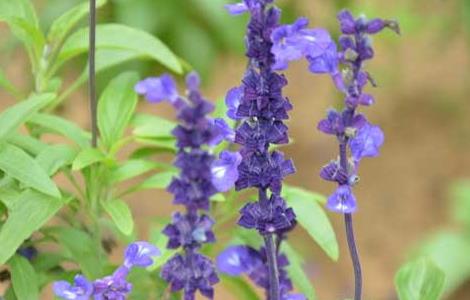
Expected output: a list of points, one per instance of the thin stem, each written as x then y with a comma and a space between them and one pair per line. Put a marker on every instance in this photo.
349, 228
271, 254
274, 293
92, 75
354, 256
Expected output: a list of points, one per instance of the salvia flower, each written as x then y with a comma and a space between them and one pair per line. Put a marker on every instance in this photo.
354, 133
116, 286
261, 110
200, 177
241, 260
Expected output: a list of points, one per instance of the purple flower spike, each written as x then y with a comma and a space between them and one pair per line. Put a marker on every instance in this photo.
193, 81
158, 89
366, 142
191, 273
237, 8
236, 260
225, 170
81, 289
342, 201
140, 254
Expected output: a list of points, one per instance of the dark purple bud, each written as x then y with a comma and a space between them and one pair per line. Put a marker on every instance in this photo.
334, 172
375, 26
347, 22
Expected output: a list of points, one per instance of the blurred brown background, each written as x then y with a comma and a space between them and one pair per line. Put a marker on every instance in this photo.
422, 105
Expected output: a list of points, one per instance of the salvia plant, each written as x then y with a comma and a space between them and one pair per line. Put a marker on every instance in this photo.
64, 210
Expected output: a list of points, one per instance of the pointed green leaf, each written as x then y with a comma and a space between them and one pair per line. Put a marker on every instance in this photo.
14, 116
66, 22
82, 249
121, 215
240, 287
116, 36
7, 85
116, 107
29, 144
419, 280
24, 278
27, 212
19, 165
312, 217
449, 251
149, 126
135, 167
54, 157
297, 273
158, 181
87, 157
63, 127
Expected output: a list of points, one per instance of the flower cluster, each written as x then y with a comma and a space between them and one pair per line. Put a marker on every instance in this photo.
197, 182
243, 260
137, 254
353, 131
261, 109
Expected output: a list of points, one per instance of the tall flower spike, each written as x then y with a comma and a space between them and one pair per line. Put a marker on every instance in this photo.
200, 177
261, 109
352, 130
116, 286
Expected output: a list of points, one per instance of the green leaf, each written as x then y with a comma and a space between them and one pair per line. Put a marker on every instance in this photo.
158, 181
312, 217
160, 240
62, 26
7, 85
419, 280
135, 167
20, 9
28, 212
296, 272
23, 278
14, 116
19, 165
116, 36
21, 18
149, 126
27, 143
116, 107
82, 249
58, 125
240, 287
121, 215
449, 251
54, 157
460, 193
87, 157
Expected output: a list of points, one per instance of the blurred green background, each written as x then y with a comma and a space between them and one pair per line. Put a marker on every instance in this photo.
423, 105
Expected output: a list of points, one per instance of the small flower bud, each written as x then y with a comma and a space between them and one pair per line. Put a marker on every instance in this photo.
350, 54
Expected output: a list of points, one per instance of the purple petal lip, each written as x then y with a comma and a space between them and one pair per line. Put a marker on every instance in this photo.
342, 201
237, 8
158, 89
225, 170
